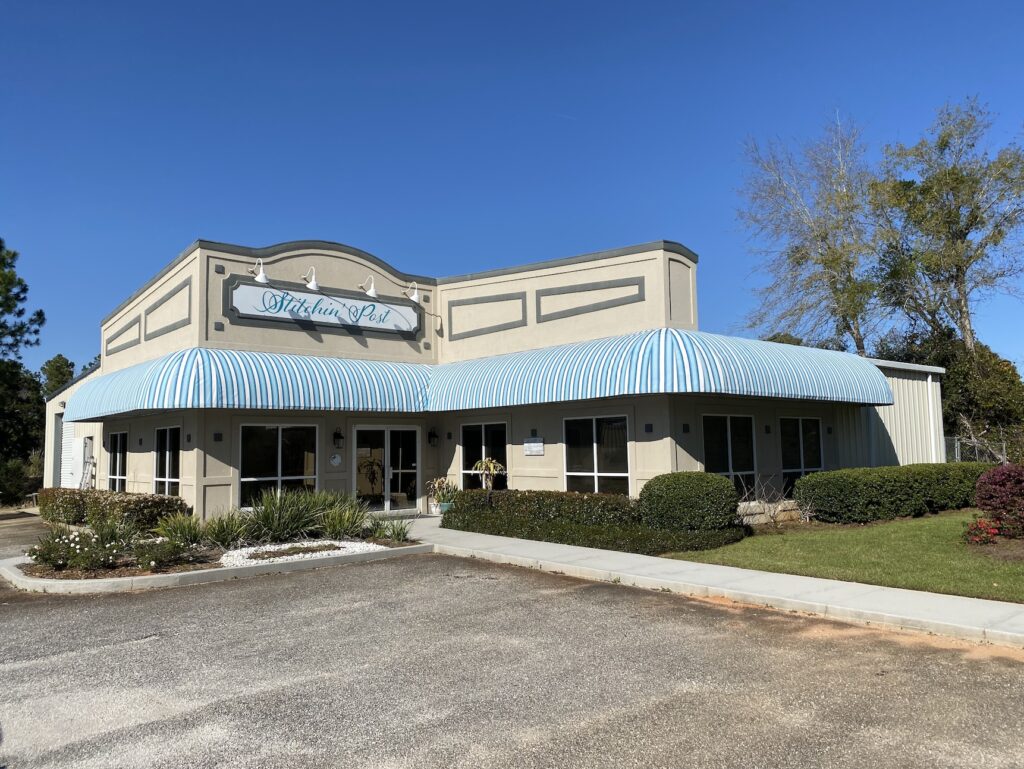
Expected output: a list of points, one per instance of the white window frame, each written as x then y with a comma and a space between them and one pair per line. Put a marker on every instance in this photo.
483, 446
595, 474
803, 469
279, 478
121, 476
157, 480
731, 475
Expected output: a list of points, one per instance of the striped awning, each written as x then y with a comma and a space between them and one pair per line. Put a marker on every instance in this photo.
205, 378
647, 362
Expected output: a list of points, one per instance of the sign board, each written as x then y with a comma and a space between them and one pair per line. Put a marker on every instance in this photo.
533, 447
271, 303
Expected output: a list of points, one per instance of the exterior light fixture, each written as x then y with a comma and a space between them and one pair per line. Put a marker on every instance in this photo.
310, 278
432, 437
339, 438
261, 276
368, 288
413, 292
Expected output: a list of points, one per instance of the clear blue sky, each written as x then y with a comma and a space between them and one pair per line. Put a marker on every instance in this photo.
446, 137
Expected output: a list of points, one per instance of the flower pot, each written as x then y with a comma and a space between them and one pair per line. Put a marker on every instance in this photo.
435, 508
445, 506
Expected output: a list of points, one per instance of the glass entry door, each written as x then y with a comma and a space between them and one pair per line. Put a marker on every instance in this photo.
387, 468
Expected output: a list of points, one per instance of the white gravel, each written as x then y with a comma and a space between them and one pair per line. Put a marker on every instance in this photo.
240, 557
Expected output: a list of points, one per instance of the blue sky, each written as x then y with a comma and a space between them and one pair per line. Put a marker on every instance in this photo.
447, 137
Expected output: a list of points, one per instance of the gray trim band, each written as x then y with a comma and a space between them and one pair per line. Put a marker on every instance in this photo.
110, 348
639, 296
519, 295
146, 334
893, 364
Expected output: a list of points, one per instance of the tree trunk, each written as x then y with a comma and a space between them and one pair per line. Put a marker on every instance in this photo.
963, 310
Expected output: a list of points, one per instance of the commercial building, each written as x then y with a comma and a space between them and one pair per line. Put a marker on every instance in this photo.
316, 365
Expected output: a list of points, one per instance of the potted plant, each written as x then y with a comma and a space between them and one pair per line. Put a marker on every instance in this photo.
442, 494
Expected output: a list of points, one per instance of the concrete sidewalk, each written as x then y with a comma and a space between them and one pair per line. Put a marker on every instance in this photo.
967, 618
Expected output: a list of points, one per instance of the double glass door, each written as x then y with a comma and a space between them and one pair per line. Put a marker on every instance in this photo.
387, 468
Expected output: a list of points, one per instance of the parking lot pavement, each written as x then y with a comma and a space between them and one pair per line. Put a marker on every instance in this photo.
432, 661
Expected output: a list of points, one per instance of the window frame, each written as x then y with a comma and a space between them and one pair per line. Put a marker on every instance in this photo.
483, 447
596, 474
157, 479
731, 475
803, 469
113, 477
279, 478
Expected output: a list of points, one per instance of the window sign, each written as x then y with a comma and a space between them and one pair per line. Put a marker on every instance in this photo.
272, 303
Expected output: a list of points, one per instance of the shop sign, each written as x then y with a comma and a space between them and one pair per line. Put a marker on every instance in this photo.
270, 303
533, 446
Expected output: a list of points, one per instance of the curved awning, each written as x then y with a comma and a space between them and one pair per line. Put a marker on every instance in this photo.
205, 378
647, 362
665, 360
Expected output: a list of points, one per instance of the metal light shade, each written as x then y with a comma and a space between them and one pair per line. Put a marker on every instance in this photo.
369, 288
310, 278
413, 292
261, 276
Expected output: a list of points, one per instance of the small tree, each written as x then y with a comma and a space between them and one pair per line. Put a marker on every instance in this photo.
16, 330
489, 469
56, 373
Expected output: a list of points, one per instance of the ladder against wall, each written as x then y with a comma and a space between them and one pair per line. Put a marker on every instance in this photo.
88, 479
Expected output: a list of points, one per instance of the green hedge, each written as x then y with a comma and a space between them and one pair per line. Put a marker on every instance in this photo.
862, 495
78, 506
607, 521
630, 538
696, 501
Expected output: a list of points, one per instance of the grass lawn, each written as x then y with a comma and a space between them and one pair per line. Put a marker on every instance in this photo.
916, 553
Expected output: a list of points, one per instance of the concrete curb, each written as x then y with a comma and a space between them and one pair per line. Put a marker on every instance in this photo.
969, 619
9, 570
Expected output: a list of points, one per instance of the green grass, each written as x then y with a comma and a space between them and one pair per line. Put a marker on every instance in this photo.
917, 553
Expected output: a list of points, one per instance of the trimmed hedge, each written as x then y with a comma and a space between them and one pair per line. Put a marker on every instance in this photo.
607, 521
861, 495
78, 506
695, 501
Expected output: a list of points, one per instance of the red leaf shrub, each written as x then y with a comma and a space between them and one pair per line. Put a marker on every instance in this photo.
1000, 493
981, 531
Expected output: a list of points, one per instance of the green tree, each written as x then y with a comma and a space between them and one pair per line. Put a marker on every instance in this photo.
950, 215
22, 411
16, 329
56, 373
812, 208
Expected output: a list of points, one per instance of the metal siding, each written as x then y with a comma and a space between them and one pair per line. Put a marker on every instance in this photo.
905, 431
70, 471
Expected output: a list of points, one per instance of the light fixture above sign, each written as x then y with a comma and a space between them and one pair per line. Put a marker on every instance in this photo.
368, 288
413, 292
310, 278
261, 276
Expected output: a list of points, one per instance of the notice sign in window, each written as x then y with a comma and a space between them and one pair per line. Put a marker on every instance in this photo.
273, 303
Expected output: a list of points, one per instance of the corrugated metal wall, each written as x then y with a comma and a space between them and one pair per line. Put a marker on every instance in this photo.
910, 430
70, 470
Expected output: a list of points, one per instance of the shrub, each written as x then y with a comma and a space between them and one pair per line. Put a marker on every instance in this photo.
693, 500
981, 531
15, 482
1000, 493
285, 517
344, 518
626, 537
142, 510
63, 548
156, 554
397, 530
585, 509
226, 531
184, 529
62, 505
861, 495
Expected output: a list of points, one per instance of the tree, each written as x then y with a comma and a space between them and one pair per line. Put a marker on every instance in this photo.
813, 208
951, 216
16, 330
22, 411
56, 373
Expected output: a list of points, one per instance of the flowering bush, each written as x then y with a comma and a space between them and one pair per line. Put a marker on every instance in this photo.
156, 554
1000, 493
981, 531
63, 548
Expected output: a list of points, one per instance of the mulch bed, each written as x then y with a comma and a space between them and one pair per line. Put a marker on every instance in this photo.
1003, 550
48, 572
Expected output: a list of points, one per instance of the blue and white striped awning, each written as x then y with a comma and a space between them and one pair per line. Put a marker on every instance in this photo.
204, 378
647, 362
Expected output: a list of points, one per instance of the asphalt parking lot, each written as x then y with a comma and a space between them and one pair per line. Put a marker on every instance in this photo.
430, 661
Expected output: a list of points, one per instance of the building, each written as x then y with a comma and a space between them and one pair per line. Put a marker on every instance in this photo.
228, 373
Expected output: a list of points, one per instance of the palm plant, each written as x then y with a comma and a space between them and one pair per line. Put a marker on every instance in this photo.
488, 469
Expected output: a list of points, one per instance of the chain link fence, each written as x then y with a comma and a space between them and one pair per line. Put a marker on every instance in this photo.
960, 450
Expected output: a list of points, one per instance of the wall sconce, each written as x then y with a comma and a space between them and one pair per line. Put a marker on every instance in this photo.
310, 278
368, 288
767, 429
686, 427
261, 276
413, 292
432, 437
339, 438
